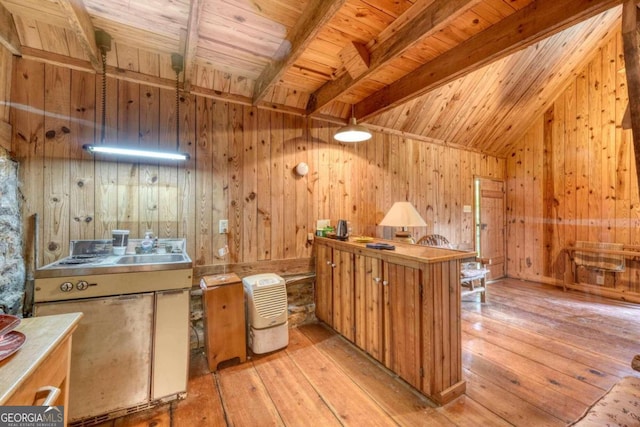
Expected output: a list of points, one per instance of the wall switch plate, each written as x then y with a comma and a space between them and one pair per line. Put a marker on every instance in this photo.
223, 226
466, 209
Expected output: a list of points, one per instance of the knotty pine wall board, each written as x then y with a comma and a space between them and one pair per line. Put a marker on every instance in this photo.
576, 163
241, 169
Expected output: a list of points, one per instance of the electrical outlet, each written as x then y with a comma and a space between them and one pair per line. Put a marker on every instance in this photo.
223, 226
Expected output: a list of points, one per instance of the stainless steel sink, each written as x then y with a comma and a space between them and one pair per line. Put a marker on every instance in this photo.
151, 259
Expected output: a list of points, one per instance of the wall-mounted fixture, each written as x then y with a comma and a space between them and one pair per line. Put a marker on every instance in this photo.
353, 132
302, 169
103, 40
403, 214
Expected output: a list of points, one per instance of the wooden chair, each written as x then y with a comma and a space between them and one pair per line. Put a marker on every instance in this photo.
434, 240
473, 275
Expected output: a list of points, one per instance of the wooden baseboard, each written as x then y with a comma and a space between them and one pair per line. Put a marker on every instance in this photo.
451, 393
616, 294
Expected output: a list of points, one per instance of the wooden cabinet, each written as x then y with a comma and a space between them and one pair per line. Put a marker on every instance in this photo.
42, 362
224, 323
402, 307
335, 290
387, 315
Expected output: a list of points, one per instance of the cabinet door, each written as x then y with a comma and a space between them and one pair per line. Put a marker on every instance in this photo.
369, 306
171, 343
402, 322
324, 294
343, 294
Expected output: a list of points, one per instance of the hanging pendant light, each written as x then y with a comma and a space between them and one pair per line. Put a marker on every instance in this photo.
103, 40
353, 132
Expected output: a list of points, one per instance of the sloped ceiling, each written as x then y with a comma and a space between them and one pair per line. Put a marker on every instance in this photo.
470, 73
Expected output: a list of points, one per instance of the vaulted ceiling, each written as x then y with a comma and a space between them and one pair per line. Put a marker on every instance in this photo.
470, 73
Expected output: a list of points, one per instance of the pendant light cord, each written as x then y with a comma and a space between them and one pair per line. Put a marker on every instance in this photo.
104, 95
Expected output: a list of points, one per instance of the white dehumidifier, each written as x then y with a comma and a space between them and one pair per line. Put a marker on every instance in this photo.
267, 326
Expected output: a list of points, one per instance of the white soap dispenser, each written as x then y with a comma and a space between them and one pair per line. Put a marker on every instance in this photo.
147, 242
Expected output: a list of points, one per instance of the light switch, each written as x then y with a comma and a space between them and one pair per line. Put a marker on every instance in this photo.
466, 208
223, 225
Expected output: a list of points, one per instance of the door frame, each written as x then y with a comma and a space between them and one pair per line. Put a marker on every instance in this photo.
477, 220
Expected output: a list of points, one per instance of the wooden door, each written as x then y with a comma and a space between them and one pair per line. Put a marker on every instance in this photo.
402, 322
491, 225
369, 306
343, 294
324, 287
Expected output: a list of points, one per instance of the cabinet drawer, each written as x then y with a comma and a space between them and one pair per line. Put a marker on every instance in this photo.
51, 372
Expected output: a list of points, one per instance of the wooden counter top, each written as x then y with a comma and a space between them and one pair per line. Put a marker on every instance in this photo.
43, 335
403, 251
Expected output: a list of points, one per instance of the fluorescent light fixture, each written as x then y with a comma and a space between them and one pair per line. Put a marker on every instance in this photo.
135, 152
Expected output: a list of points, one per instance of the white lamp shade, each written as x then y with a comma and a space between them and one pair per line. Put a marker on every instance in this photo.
353, 132
403, 214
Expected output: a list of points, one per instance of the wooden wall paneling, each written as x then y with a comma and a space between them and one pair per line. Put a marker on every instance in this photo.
570, 164
250, 231
186, 210
301, 183
584, 151
277, 186
56, 162
264, 196
208, 181
457, 182
82, 188
169, 202
590, 162
548, 201
53, 38
336, 183
538, 192
106, 197
442, 190
289, 228
234, 173
313, 187
323, 146
357, 168
27, 120
149, 101
128, 171
429, 186
608, 123
126, 57
623, 230
220, 190
558, 138
525, 210
518, 234
379, 182
6, 68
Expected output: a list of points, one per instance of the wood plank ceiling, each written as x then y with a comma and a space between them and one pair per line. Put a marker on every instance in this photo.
469, 73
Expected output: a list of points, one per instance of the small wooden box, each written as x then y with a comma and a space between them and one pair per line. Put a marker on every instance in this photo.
224, 319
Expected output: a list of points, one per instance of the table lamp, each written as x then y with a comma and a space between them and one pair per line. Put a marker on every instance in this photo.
403, 214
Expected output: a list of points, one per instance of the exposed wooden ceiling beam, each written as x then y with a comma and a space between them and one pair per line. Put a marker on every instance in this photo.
191, 47
316, 15
630, 40
539, 20
8, 34
81, 25
425, 23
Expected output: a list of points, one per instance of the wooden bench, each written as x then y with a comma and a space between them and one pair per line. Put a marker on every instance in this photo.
620, 406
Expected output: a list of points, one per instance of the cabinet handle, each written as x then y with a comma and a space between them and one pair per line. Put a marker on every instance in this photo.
333, 266
328, 262
376, 279
385, 283
52, 394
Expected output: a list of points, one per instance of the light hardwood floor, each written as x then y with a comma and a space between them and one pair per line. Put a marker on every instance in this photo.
532, 356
